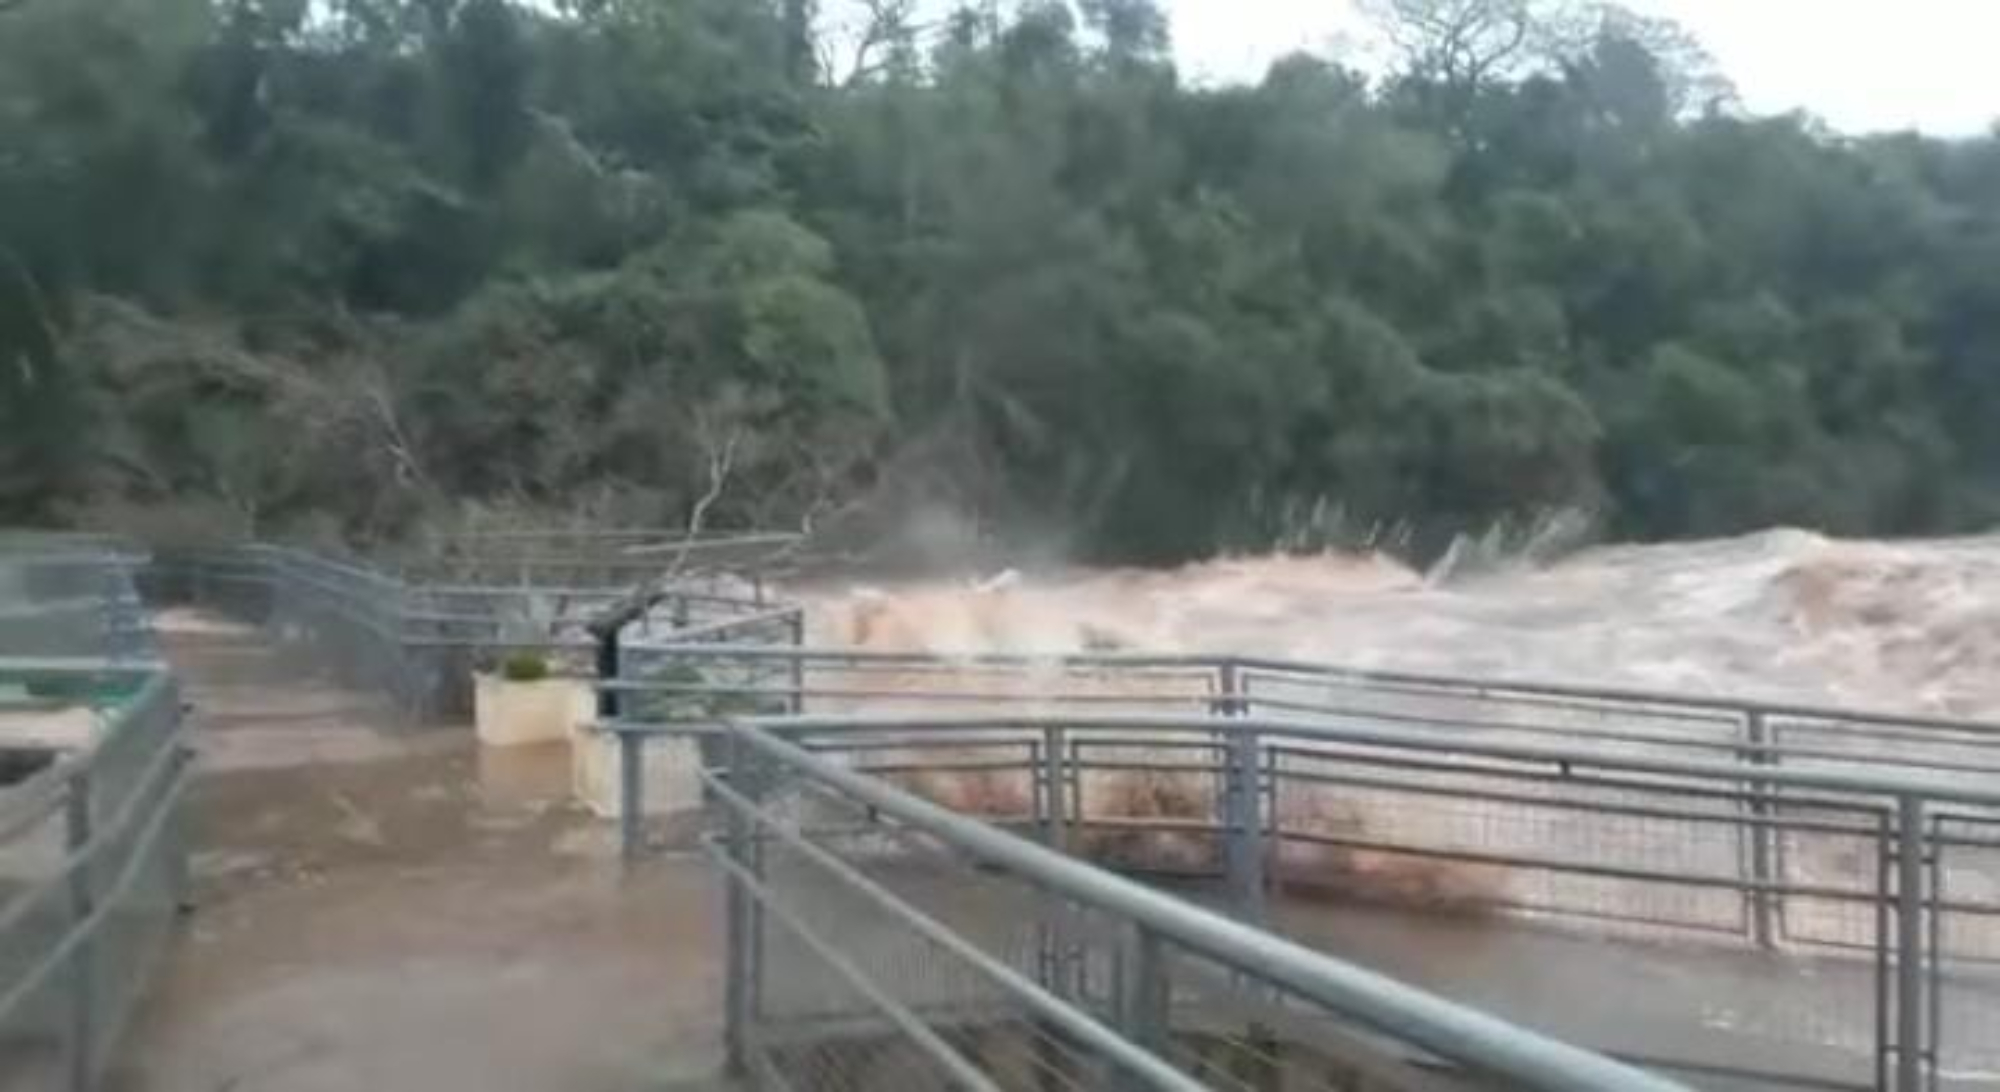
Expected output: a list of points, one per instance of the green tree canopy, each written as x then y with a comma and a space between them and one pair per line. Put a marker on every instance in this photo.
354, 263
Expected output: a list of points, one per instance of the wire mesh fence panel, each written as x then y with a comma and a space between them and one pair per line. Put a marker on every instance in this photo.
1556, 850
72, 596
138, 880
1964, 971
1593, 725
34, 917
934, 944
1153, 805
1834, 873
997, 775
1241, 1032
91, 867
853, 994
232, 581
340, 620
590, 558
1612, 854
890, 683
1968, 757
1631, 724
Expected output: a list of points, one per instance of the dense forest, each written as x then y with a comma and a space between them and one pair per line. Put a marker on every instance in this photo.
346, 267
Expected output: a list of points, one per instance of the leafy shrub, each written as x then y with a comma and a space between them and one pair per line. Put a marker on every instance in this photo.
524, 667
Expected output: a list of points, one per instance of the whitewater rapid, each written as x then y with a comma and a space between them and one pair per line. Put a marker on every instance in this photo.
1785, 615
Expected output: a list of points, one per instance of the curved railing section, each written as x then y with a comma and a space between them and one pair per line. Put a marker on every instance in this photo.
1835, 875
415, 628
871, 928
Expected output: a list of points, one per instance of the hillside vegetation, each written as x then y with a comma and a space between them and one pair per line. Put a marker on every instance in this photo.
346, 267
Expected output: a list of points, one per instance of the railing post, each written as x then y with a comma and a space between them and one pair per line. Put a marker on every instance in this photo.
742, 975
1934, 949
1763, 834
631, 796
80, 1033
1055, 817
1144, 1001
631, 750
1229, 690
180, 882
608, 698
1243, 847
798, 664
1242, 797
1910, 1013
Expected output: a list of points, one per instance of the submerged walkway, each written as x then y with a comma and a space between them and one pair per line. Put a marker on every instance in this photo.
380, 911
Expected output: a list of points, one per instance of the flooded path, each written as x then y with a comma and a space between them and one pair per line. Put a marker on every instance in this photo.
385, 911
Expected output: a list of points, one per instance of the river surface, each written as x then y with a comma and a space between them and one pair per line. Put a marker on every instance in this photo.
1901, 626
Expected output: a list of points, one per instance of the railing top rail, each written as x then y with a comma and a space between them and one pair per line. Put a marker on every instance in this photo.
625, 560
1491, 687
37, 797
50, 557
572, 591
650, 534
669, 640
1623, 695
79, 665
1480, 1042
15, 538
1775, 777
301, 556
976, 659
670, 546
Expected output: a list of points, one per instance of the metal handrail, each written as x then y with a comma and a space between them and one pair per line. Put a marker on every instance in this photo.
1478, 1042
1777, 777
1748, 733
114, 830
1334, 673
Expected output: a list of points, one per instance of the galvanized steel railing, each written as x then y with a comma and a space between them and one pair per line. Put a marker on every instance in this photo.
93, 867
416, 631
880, 941
68, 595
1864, 846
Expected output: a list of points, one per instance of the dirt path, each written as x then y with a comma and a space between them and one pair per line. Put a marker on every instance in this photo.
393, 911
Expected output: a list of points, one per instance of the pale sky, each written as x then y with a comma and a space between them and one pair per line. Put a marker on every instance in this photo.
1863, 65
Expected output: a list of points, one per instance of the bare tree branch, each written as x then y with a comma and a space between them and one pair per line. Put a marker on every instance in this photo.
409, 471
1459, 43
884, 27
721, 461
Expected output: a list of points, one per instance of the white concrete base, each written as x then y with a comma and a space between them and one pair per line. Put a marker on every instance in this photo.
670, 774
517, 714
65, 729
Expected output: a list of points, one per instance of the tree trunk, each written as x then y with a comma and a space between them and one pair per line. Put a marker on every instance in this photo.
798, 41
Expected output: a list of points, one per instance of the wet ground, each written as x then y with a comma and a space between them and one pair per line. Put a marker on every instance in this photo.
382, 909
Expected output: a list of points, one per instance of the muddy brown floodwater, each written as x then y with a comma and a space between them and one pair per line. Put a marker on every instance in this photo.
386, 910
1790, 615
